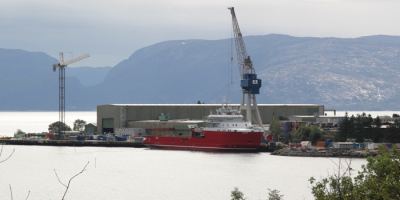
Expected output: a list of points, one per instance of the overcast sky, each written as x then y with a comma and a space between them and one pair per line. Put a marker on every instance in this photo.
110, 31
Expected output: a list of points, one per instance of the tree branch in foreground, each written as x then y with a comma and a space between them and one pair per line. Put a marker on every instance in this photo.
28, 195
11, 192
1, 151
69, 182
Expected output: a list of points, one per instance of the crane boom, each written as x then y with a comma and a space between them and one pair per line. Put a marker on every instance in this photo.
75, 59
244, 61
249, 82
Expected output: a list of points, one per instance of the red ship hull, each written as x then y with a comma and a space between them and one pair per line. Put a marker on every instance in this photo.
214, 141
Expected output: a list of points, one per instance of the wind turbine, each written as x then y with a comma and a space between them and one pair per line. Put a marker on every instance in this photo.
61, 93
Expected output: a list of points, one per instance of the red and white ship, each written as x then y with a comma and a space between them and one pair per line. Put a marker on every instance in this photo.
225, 131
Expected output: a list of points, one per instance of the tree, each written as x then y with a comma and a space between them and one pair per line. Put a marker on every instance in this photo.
395, 115
19, 131
377, 130
79, 125
275, 129
346, 128
393, 132
379, 179
198, 102
237, 195
274, 195
283, 118
54, 127
307, 133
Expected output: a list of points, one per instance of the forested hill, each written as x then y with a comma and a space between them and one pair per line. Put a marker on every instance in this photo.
345, 74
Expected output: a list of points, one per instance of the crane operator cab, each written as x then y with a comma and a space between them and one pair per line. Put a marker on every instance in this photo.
251, 83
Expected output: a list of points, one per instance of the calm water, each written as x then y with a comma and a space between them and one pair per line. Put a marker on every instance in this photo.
139, 173
130, 173
37, 122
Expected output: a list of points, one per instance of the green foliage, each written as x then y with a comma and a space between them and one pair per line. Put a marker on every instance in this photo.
275, 129
79, 125
395, 115
363, 128
19, 131
307, 133
198, 102
54, 127
393, 132
377, 124
379, 179
360, 127
274, 195
381, 176
283, 118
237, 195
346, 127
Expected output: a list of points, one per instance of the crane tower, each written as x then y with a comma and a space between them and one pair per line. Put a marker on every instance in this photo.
249, 82
61, 93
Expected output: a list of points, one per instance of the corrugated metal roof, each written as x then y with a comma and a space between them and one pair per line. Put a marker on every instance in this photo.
337, 116
303, 116
208, 105
169, 121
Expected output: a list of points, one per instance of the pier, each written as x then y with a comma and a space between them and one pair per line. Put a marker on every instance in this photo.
76, 143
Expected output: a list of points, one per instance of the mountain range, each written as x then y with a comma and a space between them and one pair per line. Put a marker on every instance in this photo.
340, 73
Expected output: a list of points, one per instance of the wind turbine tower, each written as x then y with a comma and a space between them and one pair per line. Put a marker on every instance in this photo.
61, 93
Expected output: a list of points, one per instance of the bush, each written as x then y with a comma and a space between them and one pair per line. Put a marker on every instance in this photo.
379, 179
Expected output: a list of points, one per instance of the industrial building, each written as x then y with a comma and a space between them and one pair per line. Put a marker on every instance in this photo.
113, 116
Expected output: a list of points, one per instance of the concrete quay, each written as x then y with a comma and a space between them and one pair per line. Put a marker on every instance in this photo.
344, 154
76, 143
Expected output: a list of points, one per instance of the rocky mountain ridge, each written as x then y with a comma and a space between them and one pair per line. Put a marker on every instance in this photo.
344, 74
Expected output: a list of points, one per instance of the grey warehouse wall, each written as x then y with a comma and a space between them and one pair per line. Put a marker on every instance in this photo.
139, 112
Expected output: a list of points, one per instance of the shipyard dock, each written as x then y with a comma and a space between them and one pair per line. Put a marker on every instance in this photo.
97, 143
76, 143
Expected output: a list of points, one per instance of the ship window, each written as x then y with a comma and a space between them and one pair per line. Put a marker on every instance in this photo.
235, 130
173, 140
199, 135
227, 125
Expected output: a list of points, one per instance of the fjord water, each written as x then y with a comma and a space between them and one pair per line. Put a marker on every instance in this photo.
141, 173
37, 122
